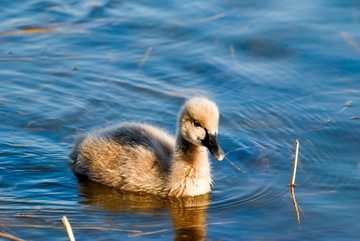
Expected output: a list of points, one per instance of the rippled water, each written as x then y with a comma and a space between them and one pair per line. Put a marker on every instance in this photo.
279, 71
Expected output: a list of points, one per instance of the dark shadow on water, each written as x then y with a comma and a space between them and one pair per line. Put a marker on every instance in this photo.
188, 213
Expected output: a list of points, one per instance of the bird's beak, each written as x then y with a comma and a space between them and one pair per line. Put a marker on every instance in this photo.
211, 142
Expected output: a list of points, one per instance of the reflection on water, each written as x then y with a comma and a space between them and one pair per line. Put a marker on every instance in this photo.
295, 204
188, 213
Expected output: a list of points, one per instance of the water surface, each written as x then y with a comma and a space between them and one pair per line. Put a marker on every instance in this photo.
279, 71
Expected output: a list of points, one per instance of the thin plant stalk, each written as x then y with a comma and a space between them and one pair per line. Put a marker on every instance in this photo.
68, 228
295, 163
144, 59
8, 236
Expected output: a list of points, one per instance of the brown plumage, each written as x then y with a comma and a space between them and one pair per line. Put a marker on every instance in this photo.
143, 158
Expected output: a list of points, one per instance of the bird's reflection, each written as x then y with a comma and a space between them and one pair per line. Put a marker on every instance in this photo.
188, 213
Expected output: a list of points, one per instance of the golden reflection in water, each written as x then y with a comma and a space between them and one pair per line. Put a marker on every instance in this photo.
295, 205
188, 213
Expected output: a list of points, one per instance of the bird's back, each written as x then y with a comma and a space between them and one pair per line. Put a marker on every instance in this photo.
130, 156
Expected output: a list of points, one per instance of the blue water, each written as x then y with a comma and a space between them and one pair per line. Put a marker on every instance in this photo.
279, 71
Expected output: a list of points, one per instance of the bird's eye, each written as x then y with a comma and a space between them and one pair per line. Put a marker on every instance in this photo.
197, 124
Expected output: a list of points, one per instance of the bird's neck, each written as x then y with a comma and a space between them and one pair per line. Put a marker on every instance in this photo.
190, 172
192, 154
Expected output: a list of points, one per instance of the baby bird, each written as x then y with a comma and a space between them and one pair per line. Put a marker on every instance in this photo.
144, 158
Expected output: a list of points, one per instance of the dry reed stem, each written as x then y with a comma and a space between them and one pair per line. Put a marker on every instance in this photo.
350, 40
201, 20
10, 237
109, 229
238, 168
341, 110
68, 228
74, 228
295, 163
214, 17
41, 31
146, 56
238, 149
331, 118
148, 233
177, 94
